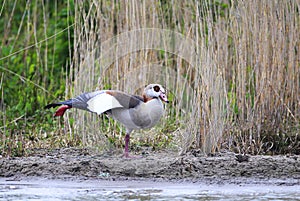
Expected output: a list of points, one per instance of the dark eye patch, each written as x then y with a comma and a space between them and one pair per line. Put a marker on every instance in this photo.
156, 88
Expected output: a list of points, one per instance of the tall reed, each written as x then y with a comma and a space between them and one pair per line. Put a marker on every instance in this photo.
238, 90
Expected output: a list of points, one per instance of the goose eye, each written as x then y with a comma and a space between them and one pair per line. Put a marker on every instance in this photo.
156, 88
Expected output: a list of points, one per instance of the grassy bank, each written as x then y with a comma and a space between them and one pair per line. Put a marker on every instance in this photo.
231, 69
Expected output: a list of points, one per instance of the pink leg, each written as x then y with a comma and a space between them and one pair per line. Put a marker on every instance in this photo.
127, 139
126, 151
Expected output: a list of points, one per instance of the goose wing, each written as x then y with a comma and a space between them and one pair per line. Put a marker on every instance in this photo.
98, 102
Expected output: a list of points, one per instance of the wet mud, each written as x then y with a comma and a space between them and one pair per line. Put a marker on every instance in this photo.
222, 168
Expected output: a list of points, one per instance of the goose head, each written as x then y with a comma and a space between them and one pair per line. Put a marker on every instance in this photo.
155, 91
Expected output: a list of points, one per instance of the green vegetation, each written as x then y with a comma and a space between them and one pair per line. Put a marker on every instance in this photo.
34, 58
240, 94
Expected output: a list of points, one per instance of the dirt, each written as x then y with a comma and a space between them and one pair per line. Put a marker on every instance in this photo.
221, 168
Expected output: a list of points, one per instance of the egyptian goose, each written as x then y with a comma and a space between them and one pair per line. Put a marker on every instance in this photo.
134, 112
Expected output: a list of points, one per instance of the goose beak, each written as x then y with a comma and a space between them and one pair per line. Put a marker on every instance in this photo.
163, 97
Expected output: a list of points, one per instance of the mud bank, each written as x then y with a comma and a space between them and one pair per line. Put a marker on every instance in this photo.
223, 168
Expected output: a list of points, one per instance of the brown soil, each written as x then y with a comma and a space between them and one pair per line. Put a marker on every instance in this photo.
164, 165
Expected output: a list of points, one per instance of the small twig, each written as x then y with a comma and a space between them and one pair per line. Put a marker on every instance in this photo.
13, 121
37, 43
281, 100
23, 79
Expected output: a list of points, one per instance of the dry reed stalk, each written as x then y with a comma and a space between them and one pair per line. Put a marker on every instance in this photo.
263, 42
242, 76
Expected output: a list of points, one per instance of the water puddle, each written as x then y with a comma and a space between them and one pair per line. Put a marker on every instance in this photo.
43, 189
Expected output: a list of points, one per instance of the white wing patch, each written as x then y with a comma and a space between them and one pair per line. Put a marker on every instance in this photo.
102, 103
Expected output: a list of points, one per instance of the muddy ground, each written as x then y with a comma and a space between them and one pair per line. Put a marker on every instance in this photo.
221, 168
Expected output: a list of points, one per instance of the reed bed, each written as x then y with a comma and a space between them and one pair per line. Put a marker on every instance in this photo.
237, 87
231, 69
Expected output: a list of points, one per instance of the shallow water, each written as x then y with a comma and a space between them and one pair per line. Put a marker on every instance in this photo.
44, 189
